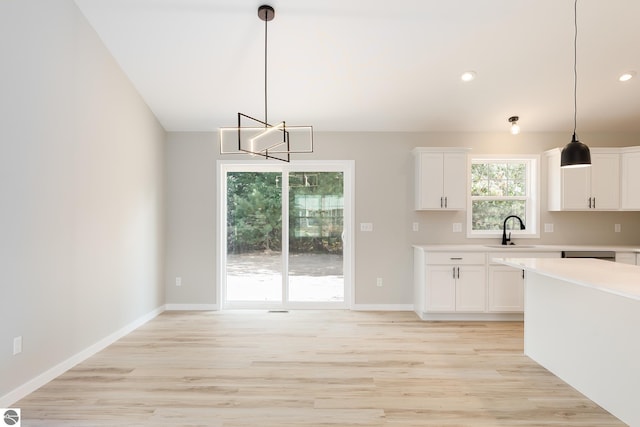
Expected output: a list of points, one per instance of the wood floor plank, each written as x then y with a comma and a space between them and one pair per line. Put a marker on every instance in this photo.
311, 368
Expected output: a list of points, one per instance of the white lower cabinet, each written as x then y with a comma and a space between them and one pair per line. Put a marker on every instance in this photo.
455, 288
626, 257
471, 287
506, 289
506, 284
455, 282
469, 284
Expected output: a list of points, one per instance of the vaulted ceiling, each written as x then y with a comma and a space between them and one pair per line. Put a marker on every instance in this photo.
371, 65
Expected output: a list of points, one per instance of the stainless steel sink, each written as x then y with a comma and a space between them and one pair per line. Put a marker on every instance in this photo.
510, 246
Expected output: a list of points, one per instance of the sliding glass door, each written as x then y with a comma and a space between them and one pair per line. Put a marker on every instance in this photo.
316, 226
254, 236
285, 230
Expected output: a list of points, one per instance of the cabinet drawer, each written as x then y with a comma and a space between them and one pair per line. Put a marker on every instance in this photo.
494, 255
455, 258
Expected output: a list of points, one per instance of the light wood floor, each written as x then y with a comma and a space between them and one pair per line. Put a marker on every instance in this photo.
311, 368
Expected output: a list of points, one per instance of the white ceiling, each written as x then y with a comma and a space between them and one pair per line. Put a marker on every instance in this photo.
371, 65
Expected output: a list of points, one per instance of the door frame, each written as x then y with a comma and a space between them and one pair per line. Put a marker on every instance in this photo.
347, 167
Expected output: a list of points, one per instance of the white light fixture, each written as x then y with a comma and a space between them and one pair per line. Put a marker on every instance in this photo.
260, 138
515, 127
575, 154
468, 76
627, 76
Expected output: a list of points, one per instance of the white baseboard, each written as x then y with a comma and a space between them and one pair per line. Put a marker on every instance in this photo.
473, 317
192, 307
382, 307
32, 385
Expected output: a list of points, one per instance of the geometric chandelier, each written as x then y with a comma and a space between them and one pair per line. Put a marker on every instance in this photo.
259, 137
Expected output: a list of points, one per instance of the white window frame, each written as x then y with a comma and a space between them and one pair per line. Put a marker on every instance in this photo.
532, 230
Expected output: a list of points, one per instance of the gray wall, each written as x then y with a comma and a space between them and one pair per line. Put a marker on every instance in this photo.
81, 194
384, 196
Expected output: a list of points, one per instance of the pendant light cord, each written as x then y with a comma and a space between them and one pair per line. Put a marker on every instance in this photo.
575, 68
265, 67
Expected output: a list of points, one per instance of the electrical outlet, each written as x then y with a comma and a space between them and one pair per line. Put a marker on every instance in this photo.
457, 227
617, 228
379, 282
416, 226
548, 228
178, 281
17, 345
366, 226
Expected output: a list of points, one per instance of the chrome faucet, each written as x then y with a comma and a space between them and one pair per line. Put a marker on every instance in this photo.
505, 240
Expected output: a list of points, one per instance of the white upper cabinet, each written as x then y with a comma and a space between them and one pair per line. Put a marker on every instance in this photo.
583, 189
440, 178
631, 178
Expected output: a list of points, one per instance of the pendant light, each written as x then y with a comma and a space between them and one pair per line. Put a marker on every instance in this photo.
259, 137
575, 154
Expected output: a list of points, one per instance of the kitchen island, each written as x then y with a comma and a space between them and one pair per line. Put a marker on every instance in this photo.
581, 322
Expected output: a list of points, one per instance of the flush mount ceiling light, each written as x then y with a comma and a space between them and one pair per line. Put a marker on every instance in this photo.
515, 127
575, 154
259, 137
627, 76
468, 76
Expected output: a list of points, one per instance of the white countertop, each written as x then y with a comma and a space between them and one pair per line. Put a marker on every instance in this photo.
523, 247
613, 277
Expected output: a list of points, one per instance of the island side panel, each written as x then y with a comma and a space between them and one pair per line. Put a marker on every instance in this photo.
588, 338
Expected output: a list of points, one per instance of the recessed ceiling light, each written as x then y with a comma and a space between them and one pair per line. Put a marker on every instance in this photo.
467, 76
627, 76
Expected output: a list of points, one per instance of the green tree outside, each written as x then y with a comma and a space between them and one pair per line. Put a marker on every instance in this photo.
254, 213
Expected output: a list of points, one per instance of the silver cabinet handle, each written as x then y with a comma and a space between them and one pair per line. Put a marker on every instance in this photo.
594, 203
458, 272
456, 258
453, 269
441, 202
589, 202
446, 202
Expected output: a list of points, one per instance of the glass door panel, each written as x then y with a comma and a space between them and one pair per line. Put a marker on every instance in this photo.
254, 237
316, 224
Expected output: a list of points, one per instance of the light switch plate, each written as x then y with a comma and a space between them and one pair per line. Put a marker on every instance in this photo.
548, 228
17, 345
416, 226
617, 228
457, 227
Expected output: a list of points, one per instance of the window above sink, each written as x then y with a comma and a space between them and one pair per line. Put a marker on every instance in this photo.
499, 186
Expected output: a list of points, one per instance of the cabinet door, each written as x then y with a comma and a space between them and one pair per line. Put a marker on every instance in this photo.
506, 289
429, 181
631, 181
455, 180
471, 288
576, 188
605, 181
440, 289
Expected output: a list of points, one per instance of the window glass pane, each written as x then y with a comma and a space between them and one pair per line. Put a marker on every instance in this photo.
499, 179
316, 223
490, 214
479, 180
517, 179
